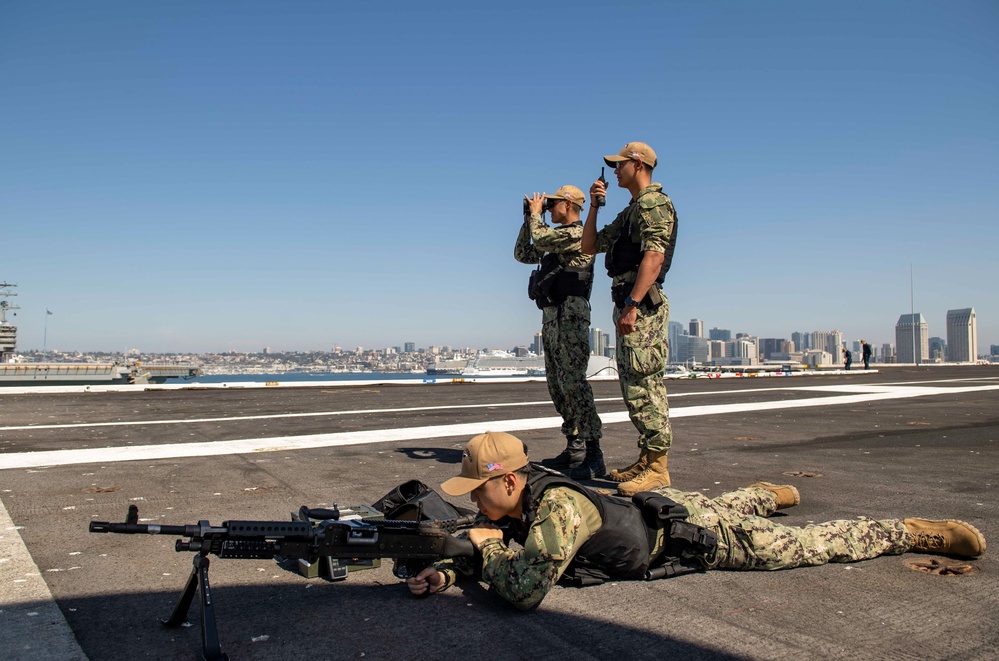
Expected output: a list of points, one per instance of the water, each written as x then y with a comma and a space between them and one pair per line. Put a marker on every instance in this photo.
298, 377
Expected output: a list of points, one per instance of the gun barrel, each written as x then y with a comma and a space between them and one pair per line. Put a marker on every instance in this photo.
143, 529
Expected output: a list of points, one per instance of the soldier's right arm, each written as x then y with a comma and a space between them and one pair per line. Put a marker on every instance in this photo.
523, 251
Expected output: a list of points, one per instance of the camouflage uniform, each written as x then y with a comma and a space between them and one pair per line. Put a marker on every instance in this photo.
642, 354
564, 328
746, 540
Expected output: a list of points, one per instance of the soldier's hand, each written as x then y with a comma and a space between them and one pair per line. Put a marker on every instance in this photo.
535, 203
428, 579
626, 322
598, 188
479, 535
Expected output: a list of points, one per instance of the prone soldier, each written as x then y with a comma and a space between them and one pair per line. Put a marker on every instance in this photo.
565, 530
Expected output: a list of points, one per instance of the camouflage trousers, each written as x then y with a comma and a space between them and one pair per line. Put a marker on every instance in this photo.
641, 359
565, 334
748, 540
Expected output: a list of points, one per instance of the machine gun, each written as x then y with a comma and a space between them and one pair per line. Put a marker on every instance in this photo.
318, 533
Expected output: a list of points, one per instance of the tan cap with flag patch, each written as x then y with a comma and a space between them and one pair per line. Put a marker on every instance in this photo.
570, 193
633, 151
486, 456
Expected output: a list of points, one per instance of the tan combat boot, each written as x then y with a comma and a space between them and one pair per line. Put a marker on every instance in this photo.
625, 474
945, 537
787, 494
654, 475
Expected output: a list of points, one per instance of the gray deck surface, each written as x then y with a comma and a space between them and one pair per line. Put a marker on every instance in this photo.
935, 455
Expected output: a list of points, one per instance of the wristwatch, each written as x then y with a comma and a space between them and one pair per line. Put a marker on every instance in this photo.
630, 301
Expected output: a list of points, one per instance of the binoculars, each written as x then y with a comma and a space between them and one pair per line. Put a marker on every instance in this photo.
546, 205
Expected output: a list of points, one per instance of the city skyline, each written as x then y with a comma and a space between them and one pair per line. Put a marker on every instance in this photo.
206, 177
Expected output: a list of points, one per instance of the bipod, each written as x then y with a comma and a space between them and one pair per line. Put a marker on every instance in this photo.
198, 582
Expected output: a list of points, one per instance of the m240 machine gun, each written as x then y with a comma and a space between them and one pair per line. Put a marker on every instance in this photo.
317, 533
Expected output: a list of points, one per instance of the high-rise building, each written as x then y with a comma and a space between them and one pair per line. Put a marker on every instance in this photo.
817, 340
772, 345
887, 353
674, 331
720, 334
912, 339
834, 344
696, 328
598, 341
538, 347
409, 347
938, 349
962, 336
800, 340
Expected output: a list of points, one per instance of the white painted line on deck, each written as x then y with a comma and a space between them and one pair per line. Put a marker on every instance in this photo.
413, 409
34, 627
338, 439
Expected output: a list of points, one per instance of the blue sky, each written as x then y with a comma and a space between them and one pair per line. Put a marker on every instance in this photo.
193, 176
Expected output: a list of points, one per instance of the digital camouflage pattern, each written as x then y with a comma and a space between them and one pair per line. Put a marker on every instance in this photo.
747, 540
641, 358
642, 355
564, 328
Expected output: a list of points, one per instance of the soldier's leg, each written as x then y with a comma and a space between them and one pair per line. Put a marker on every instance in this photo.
553, 359
575, 351
751, 542
749, 501
574, 452
645, 357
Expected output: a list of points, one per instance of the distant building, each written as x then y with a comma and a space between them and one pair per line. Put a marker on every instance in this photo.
716, 350
772, 345
674, 331
912, 339
538, 346
266, 350
720, 334
937, 349
834, 344
994, 349
962, 336
409, 347
887, 353
692, 349
520, 351
800, 340
697, 328
598, 341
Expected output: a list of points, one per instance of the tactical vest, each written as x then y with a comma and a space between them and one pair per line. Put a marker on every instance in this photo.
619, 549
552, 283
626, 253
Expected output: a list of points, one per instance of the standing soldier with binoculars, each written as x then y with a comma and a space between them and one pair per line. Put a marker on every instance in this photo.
639, 244
561, 289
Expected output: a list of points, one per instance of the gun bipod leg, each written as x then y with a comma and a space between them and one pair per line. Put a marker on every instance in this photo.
198, 582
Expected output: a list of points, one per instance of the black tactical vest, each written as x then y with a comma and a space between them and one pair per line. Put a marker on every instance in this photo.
552, 283
626, 253
619, 549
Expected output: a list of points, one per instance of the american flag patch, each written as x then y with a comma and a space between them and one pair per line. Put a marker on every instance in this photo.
493, 467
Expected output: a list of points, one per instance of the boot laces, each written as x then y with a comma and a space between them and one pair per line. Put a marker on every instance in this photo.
930, 540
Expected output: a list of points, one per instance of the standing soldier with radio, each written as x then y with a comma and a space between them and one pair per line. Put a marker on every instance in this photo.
639, 244
561, 289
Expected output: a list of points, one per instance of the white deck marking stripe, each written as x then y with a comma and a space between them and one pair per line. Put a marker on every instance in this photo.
412, 409
312, 441
28, 608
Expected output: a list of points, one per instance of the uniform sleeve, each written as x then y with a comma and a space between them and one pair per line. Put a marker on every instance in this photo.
656, 222
523, 251
561, 239
606, 236
523, 577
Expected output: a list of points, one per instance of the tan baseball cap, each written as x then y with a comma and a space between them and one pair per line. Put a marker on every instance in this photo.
486, 456
570, 193
634, 151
